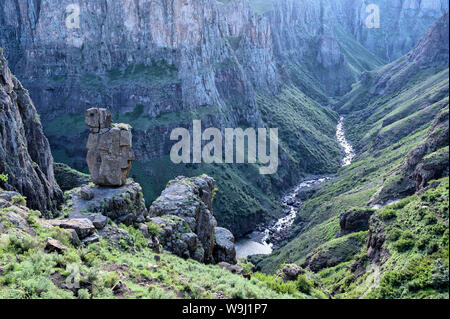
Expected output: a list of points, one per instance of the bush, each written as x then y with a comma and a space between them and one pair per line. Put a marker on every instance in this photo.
394, 234
4, 178
19, 200
153, 228
84, 294
388, 214
303, 284
110, 279
403, 244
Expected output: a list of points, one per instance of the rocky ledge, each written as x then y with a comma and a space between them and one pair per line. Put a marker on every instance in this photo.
123, 205
183, 212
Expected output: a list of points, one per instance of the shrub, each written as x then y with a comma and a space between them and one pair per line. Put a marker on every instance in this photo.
394, 234
110, 279
84, 294
388, 214
153, 228
19, 200
404, 244
303, 284
4, 177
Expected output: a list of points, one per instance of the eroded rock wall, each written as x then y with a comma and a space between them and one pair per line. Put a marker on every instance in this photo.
24, 150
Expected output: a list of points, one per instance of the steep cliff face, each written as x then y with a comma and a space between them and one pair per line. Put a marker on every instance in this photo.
24, 150
402, 25
160, 64
397, 120
334, 42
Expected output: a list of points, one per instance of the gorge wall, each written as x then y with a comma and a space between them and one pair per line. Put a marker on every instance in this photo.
159, 64
25, 155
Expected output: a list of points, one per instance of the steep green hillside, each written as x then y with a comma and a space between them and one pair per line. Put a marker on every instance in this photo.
397, 118
414, 259
113, 268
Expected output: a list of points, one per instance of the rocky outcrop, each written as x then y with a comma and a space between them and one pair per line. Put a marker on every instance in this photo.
184, 212
82, 230
124, 204
176, 236
224, 245
24, 150
334, 252
375, 241
109, 153
425, 162
291, 272
68, 178
355, 220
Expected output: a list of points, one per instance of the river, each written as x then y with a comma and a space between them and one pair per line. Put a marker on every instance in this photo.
261, 240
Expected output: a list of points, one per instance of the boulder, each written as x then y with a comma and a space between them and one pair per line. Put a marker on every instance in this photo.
235, 269
86, 193
99, 221
82, 226
291, 272
189, 199
355, 220
53, 245
116, 236
224, 249
124, 204
109, 153
74, 235
176, 236
94, 238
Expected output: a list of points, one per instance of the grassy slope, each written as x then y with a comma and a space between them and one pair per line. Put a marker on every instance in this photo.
417, 243
407, 114
28, 271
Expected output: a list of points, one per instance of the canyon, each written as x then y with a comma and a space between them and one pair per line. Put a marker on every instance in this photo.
358, 207
222, 62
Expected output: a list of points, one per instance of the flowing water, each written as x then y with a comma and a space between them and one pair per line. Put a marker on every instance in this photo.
261, 241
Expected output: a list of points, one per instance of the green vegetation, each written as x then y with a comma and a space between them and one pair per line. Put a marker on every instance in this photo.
157, 73
28, 271
242, 194
69, 178
306, 130
4, 177
70, 124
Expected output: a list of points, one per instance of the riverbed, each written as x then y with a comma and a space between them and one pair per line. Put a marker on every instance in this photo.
261, 240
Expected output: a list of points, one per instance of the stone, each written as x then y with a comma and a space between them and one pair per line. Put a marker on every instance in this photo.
144, 230
73, 233
120, 288
116, 236
82, 226
291, 272
123, 205
191, 241
184, 206
86, 193
109, 153
53, 245
224, 249
355, 220
91, 239
99, 221
235, 269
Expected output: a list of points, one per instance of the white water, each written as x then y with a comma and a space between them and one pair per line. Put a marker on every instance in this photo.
349, 154
260, 242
